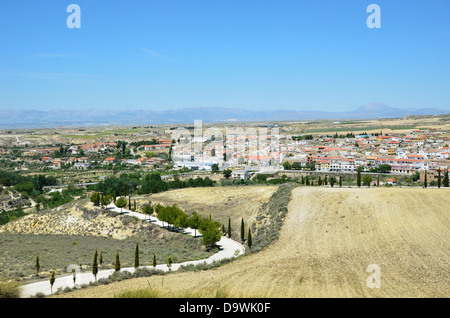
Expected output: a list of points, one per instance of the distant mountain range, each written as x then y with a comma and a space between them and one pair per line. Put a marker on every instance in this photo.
22, 118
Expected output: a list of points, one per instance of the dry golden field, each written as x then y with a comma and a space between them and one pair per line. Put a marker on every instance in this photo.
236, 202
394, 125
329, 238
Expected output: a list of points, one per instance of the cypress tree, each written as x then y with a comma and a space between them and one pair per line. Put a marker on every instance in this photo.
229, 227
117, 262
101, 258
154, 260
445, 181
74, 276
378, 180
249, 238
52, 280
340, 181
136, 256
425, 182
358, 179
332, 181
242, 230
95, 265
439, 178
169, 262
37, 266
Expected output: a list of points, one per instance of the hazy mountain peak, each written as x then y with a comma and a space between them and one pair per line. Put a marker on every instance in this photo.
374, 106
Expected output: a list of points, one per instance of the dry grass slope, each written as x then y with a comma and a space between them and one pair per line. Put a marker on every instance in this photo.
235, 202
70, 233
329, 238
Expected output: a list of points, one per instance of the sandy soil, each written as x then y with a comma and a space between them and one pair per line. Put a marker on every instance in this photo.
76, 218
330, 237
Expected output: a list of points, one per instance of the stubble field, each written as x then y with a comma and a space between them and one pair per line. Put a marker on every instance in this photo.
236, 202
329, 238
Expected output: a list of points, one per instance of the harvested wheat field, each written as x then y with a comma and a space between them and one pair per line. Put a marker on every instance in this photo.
235, 202
330, 237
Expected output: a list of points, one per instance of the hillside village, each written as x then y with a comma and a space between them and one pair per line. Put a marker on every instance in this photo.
401, 154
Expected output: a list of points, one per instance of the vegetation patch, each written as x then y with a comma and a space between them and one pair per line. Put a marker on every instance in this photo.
9, 289
71, 233
269, 220
152, 292
8, 216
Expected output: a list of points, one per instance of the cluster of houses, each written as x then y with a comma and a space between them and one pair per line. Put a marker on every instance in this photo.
142, 161
92, 148
78, 163
87, 148
161, 144
85, 162
201, 153
99, 148
406, 154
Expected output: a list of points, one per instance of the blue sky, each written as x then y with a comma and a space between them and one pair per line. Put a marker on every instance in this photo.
302, 55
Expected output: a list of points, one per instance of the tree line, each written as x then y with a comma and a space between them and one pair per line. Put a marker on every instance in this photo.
97, 262
32, 185
135, 183
177, 219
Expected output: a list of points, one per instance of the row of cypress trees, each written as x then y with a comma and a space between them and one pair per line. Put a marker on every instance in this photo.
243, 239
95, 264
332, 181
440, 181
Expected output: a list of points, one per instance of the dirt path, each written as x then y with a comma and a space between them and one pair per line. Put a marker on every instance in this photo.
329, 238
228, 249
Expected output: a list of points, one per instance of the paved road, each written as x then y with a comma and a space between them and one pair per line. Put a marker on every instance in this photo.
228, 249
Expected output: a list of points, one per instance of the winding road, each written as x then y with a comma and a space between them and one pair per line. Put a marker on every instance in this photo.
228, 249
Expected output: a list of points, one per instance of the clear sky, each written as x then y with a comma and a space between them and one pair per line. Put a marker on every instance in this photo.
252, 54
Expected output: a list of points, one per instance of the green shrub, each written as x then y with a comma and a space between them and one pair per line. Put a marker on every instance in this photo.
9, 216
